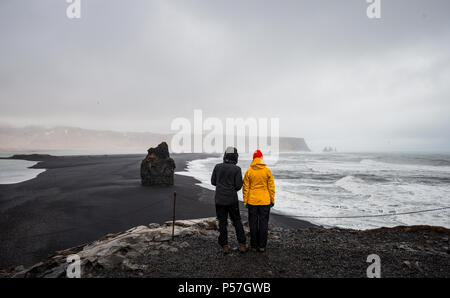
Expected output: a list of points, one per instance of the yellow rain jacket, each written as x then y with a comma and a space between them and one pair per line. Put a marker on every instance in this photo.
258, 187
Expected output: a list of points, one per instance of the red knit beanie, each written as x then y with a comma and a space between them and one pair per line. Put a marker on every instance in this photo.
257, 154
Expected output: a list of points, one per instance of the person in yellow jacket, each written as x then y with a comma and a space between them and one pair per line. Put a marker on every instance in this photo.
259, 196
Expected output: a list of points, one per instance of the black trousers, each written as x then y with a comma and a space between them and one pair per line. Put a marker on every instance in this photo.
222, 212
258, 219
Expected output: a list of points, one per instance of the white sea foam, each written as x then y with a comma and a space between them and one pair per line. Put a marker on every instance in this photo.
381, 166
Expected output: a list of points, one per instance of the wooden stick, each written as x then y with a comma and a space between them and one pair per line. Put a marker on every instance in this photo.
173, 218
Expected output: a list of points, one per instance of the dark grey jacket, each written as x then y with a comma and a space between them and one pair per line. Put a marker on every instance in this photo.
227, 178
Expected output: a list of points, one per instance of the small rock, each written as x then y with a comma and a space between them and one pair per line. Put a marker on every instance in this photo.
111, 235
127, 265
172, 249
153, 252
167, 247
68, 251
186, 232
111, 261
212, 226
413, 264
164, 246
19, 268
162, 237
183, 244
57, 272
273, 237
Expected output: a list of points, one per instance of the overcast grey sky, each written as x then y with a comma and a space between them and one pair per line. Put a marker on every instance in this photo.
328, 72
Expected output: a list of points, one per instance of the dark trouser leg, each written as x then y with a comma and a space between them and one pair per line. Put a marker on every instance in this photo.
222, 216
236, 219
263, 215
253, 224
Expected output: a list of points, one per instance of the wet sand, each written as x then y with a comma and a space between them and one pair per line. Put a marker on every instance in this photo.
79, 199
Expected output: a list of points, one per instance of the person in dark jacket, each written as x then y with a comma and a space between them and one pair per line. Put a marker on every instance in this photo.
227, 178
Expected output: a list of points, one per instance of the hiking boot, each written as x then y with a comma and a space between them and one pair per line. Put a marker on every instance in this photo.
226, 249
261, 249
243, 248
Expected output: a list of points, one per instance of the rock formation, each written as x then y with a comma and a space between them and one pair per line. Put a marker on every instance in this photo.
157, 168
119, 251
329, 149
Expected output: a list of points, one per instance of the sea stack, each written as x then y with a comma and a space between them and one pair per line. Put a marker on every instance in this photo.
157, 168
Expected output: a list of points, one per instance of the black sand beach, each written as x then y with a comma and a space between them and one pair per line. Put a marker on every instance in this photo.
81, 198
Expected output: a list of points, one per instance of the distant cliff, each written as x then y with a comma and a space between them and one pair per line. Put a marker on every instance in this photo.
38, 138
293, 144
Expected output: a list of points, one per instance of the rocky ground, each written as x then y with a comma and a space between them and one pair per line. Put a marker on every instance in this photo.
148, 251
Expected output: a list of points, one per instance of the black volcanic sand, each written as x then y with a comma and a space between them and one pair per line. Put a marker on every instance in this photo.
79, 199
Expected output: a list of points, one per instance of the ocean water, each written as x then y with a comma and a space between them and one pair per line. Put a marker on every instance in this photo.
15, 171
355, 190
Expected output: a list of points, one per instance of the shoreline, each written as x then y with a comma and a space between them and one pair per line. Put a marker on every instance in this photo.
18, 171
79, 199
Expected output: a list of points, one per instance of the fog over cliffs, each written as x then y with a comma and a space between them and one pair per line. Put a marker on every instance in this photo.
61, 138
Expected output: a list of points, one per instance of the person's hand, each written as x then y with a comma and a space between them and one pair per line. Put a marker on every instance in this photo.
272, 204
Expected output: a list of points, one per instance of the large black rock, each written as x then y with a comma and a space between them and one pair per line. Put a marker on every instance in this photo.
157, 168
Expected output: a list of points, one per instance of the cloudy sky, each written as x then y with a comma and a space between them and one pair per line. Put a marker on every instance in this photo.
330, 74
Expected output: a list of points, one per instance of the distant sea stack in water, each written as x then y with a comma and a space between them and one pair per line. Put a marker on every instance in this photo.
329, 149
157, 168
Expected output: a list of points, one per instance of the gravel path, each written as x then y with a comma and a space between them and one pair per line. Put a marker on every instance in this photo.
310, 252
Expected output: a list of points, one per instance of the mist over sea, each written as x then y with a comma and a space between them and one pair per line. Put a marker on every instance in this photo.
355, 190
